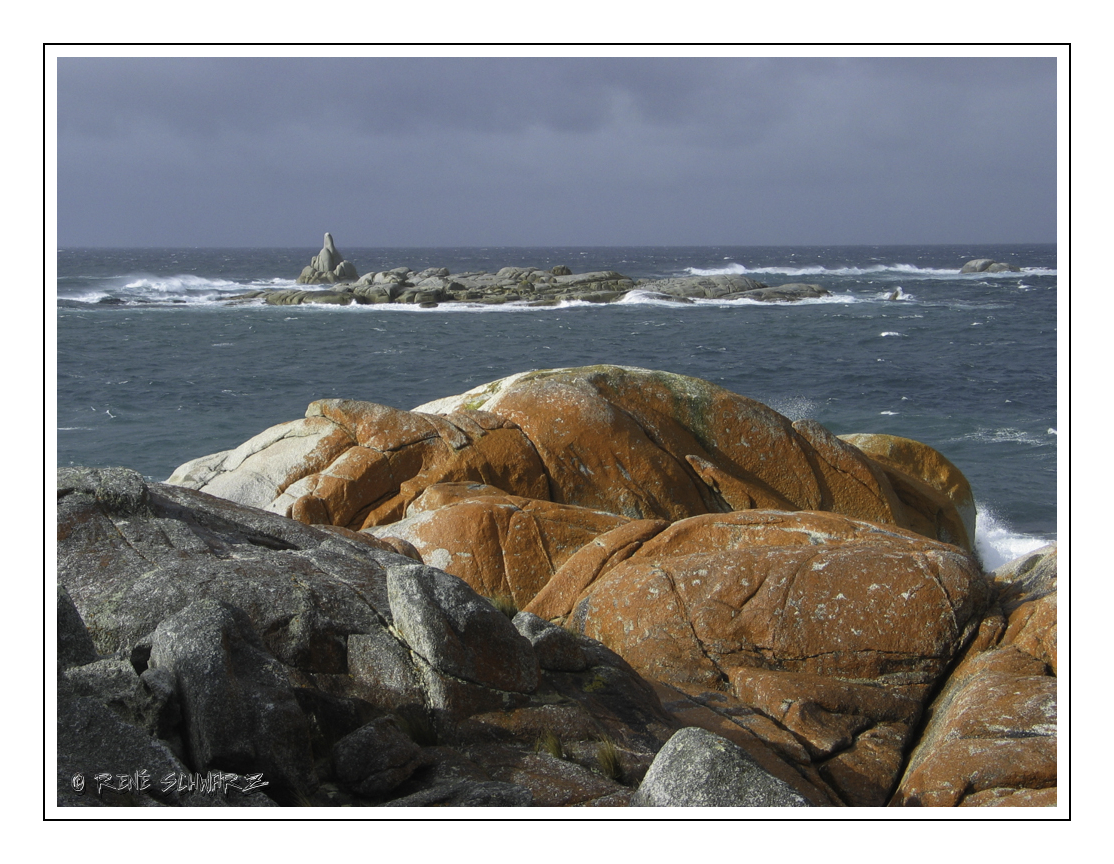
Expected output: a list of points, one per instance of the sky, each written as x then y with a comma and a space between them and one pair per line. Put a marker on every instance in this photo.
557, 151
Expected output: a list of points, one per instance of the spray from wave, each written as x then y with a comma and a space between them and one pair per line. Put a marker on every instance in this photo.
996, 543
142, 288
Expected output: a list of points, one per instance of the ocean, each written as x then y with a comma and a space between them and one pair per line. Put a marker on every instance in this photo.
155, 368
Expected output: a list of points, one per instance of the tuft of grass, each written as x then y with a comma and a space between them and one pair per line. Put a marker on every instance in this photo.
548, 742
505, 604
607, 756
301, 799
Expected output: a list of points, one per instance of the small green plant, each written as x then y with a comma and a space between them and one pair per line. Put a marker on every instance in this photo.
548, 742
607, 756
505, 604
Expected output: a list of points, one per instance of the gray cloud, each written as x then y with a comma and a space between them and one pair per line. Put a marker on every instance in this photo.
551, 151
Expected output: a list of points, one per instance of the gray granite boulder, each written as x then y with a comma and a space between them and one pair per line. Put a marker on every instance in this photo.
457, 632
222, 638
697, 768
375, 758
238, 706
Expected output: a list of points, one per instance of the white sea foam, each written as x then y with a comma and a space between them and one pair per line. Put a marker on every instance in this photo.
891, 333
996, 542
1004, 435
910, 270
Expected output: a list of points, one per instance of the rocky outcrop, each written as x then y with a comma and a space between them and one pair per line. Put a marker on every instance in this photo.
990, 735
832, 630
525, 285
344, 619
732, 287
500, 544
207, 639
988, 265
328, 265
629, 442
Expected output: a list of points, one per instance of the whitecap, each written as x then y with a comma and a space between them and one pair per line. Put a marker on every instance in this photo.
891, 333
890, 413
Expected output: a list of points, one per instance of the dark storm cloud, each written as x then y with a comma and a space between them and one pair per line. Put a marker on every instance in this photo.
533, 151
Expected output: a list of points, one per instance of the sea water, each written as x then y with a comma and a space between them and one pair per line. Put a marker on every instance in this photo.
155, 368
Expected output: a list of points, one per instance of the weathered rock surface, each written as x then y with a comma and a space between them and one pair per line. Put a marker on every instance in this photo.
697, 768
627, 442
223, 638
988, 265
457, 632
990, 734
937, 499
834, 630
239, 708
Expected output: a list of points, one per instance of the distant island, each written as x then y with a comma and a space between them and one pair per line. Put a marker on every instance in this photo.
436, 285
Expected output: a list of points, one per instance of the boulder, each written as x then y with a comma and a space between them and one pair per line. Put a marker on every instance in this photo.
697, 768
990, 735
238, 707
788, 293
988, 265
357, 464
937, 499
457, 632
834, 630
375, 758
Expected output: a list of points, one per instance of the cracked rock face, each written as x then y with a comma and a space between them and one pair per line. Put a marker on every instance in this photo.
199, 635
834, 630
990, 739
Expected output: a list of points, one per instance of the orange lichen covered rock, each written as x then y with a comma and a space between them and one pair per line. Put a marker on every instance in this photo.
632, 442
990, 737
357, 464
593, 559
835, 630
499, 544
936, 495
